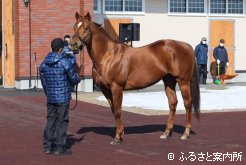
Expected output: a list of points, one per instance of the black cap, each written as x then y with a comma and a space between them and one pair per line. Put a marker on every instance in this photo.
222, 41
67, 36
57, 44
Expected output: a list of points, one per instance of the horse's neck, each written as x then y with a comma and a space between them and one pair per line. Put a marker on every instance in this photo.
100, 45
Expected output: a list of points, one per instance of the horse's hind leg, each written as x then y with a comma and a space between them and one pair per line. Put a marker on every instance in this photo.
170, 84
186, 94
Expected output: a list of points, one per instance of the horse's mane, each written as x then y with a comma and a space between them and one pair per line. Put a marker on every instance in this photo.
97, 24
100, 27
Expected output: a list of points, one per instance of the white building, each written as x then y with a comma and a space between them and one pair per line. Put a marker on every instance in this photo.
185, 20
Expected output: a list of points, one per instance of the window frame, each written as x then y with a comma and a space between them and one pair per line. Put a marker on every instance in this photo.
98, 7
187, 10
125, 12
227, 14
207, 11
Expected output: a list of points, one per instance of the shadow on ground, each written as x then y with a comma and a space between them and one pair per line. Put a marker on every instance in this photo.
143, 129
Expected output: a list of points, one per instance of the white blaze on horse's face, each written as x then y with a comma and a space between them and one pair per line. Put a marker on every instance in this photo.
79, 24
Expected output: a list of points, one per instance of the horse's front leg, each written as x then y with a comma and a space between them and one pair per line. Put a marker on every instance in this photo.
117, 95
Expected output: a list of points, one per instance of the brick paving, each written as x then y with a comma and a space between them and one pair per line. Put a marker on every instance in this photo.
91, 129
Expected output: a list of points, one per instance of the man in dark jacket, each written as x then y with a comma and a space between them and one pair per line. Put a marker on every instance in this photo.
201, 52
57, 75
221, 58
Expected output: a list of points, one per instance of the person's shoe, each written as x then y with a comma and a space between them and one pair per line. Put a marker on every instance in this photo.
66, 152
48, 152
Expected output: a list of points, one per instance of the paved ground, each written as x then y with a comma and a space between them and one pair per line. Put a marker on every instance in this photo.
22, 119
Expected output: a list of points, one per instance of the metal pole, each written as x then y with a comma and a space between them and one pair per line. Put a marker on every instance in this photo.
3, 52
30, 46
35, 68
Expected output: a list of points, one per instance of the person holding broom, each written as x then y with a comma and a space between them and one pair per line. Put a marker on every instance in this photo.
221, 58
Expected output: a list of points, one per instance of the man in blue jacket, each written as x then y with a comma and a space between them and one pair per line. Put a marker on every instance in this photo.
201, 52
221, 58
57, 74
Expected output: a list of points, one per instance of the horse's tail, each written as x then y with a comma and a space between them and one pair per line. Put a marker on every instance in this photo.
195, 92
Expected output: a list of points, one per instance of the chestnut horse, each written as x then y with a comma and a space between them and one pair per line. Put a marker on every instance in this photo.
118, 67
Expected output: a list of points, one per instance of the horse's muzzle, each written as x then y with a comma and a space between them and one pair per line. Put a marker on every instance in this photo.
74, 46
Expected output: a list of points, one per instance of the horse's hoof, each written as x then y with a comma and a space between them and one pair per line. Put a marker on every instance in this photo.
164, 136
116, 142
185, 137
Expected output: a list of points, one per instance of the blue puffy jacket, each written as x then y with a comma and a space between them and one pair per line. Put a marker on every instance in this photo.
220, 53
57, 75
201, 52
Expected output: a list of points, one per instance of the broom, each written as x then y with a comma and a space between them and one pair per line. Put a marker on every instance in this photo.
218, 81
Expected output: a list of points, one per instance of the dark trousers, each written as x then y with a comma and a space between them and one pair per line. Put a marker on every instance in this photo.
202, 70
55, 132
221, 69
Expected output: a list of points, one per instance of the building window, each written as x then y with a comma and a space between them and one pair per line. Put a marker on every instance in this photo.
113, 5
123, 5
178, 6
196, 6
226, 7
97, 6
133, 5
218, 6
222, 7
186, 6
235, 6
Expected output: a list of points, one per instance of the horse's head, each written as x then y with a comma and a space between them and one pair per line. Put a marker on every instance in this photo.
82, 31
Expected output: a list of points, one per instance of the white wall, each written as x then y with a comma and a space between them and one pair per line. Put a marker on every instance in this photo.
240, 44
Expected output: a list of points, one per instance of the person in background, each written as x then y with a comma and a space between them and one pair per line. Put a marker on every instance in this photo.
67, 46
201, 52
67, 49
57, 75
67, 40
221, 58
70, 54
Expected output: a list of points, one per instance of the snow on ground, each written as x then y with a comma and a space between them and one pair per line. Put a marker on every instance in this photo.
233, 97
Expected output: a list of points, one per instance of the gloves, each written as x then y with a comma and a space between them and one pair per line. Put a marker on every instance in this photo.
227, 64
218, 61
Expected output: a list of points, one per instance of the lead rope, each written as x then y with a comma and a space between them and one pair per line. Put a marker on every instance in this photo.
76, 86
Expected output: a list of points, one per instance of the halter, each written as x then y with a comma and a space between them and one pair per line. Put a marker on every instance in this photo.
83, 40
83, 43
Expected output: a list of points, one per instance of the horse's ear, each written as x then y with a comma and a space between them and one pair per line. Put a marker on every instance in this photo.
88, 16
77, 15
